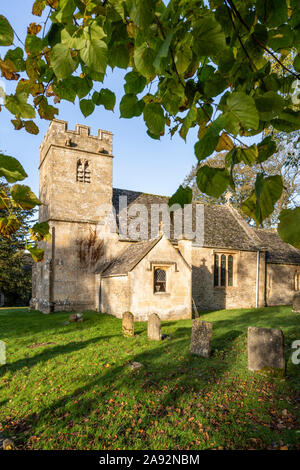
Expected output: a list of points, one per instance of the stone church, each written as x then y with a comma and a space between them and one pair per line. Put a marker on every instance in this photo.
89, 267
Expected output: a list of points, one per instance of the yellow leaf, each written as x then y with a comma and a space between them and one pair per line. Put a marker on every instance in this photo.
224, 143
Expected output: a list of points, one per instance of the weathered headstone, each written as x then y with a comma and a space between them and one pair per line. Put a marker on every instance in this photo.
266, 350
135, 366
2, 353
154, 327
74, 317
128, 324
296, 302
201, 338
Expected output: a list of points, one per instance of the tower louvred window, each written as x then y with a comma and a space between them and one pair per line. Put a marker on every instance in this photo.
79, 174
83, 172
87, 173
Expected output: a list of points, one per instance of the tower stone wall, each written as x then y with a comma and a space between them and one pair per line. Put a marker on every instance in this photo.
75, 182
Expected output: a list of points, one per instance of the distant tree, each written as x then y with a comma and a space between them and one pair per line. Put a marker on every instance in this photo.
285, 162
15, 263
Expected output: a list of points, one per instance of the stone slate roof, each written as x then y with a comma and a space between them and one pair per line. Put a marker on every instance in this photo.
278, 251
129, 258
223, 228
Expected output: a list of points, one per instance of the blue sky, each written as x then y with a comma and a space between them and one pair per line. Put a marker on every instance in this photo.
140, 163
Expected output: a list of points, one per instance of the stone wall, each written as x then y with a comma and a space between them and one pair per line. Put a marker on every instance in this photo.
243, 292
72, 209
173, 304
114, 295
280, 284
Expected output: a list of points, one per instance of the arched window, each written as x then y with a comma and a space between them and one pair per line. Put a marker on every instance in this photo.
223, 270
230, 270
160, 280
216, 271
79, 171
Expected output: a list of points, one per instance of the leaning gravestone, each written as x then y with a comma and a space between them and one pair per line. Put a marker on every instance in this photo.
128, 324
296, 302
201, 338
266, 350
2, 353
154, 327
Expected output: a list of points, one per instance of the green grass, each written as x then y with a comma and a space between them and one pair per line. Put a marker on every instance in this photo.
79, 392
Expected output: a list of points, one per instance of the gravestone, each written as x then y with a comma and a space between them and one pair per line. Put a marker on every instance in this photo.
266, 350
128, 324
201, 338
296, 302
75, 317
154, 327
2, 353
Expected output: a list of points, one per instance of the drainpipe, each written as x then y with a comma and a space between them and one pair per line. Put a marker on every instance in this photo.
257, 277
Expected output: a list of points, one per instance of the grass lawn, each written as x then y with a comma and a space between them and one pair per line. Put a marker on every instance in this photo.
77, 392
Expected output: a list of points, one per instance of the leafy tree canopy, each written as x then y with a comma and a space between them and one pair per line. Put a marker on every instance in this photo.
15, 272
210, 66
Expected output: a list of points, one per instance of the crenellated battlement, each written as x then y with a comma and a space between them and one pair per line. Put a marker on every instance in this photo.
58, 134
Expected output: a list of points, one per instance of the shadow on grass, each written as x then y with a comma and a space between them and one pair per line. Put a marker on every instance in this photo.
51, 353
164, 378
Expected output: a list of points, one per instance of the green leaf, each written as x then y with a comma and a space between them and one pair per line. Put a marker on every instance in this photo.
36, 253
106, 97
17, 105
24, 197
281, 38
262, 201
296, 63
266, 149
272, 12
16, 57
182, 196
143, 59
31, 127
207, 144
86, 107
94, 55
288, 228
183, 57
154, 118
212, 181
189, 121
6, 32
209, 39
118, 56
163, 51
62, 62
215, 85
135, 83
65, 11
46, 111
247, 155
141, 11
269, 105
287, 121
40, 231
130, 106
240, 112
11, 169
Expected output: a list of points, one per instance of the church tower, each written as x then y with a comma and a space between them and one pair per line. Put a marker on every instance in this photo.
75, 180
